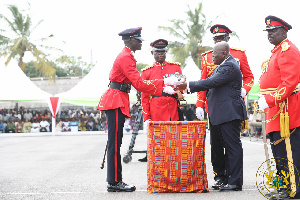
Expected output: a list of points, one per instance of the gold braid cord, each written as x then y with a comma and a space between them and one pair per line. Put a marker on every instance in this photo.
285, 135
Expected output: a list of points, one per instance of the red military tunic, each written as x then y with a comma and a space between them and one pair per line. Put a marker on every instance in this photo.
279, 82
208, 67
162, 108
124, 71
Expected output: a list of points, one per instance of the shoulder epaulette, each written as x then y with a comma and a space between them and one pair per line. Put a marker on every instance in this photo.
148, 67
206, 52
175, 63
285, 46
238, 49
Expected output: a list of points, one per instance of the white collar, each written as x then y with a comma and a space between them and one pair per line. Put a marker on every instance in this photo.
225, 59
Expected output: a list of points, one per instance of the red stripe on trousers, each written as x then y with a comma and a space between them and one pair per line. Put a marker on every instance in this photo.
116, 147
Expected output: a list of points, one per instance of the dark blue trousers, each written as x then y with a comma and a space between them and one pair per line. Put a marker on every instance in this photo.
229, 164
217, 153
115, 123
280, 154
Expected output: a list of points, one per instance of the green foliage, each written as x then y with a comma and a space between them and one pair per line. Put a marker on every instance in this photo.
190, 33
72, 66
16, 40
31, 71
140, 66
65, 66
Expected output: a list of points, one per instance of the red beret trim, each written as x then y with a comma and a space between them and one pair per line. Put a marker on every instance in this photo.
277, 23
220, 30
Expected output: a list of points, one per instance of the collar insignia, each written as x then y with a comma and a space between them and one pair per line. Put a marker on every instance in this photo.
285, 46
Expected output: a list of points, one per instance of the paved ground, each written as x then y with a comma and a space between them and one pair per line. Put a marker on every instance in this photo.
67, 166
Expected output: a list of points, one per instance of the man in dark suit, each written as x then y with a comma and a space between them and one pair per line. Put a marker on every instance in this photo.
226, 110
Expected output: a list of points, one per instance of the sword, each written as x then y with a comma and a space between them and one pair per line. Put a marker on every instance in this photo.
263, 131
102, 165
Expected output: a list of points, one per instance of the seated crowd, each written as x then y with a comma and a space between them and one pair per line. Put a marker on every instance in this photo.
21, 121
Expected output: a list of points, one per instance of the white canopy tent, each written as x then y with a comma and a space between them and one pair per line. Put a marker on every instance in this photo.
89, 90
16, 86
192, 73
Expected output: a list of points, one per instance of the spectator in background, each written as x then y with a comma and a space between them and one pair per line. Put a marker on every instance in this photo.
62, 115
74, 125
2, 127
97, 125
18, 126
28, 115
103, 123
97, 115
35, 126
8, 115
10, 128
89, 114
27, 126
127, 126
90, 125
66, 125
59, 125
1, 115
13, 117
82, 124
50, 124
44, 125
18, 115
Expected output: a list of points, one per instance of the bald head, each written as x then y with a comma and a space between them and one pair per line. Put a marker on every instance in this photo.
221, 51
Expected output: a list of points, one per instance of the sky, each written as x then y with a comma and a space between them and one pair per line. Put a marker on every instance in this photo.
90, 28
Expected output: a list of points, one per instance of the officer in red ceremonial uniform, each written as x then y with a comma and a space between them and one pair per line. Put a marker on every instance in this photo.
159, 108
115, 103
281, 101
220, 33
163, 108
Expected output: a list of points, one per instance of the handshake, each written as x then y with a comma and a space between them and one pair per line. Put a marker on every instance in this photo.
174, 83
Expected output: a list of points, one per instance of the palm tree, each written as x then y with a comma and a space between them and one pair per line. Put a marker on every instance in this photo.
18, 42
190, 32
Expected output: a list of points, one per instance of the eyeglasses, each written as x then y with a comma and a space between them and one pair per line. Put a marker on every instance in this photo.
219, 38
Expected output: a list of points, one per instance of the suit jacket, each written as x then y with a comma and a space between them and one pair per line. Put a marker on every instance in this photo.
225, 102
208, 67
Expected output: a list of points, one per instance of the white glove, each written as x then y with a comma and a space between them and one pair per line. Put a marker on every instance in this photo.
171, 80
146, 125
262, 103
169, 90
244, 93
200, 113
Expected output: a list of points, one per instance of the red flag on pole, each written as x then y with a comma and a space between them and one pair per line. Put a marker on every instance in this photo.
54, 105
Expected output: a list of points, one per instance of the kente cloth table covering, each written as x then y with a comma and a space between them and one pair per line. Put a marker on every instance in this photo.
176, 157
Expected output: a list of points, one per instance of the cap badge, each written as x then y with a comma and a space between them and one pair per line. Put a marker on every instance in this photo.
217, 29
268, 22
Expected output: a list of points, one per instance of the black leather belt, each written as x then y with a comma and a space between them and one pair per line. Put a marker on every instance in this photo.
120, 86
166, 95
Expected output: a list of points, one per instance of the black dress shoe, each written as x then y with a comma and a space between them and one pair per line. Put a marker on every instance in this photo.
218, 184
269, 194
120, 187
231, 187
284, 194
143, 159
